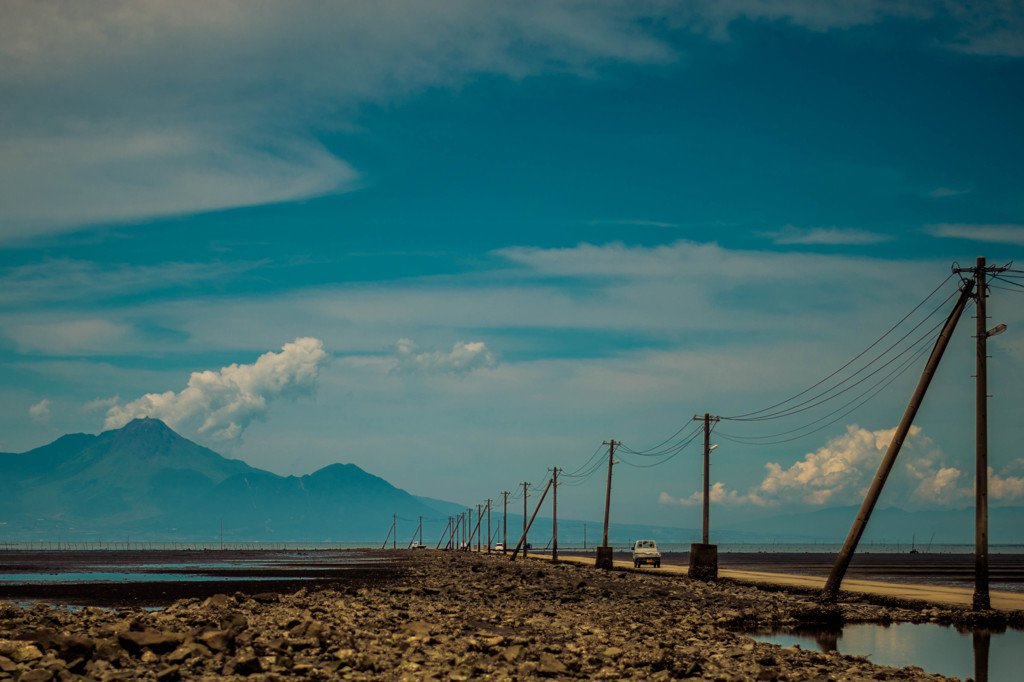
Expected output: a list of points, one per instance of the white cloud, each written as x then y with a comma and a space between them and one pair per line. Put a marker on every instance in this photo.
40, 412
826, 235
119, 110
228, 400
463, 358
841, 472
999, 234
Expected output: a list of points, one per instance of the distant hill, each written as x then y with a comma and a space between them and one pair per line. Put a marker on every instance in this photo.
146, 480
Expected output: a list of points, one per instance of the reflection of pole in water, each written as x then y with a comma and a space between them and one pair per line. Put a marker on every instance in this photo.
827, 640
981, 639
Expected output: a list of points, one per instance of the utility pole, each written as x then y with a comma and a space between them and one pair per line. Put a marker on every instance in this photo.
469, 544
526, 486
522, 540
504, 522
704, 557
831, 591
479, 516
604, 552
981, 595
554, 514
421, 531
488, 525
394, 525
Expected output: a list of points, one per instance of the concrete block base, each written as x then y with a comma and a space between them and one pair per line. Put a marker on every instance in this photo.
703, 561
604, 557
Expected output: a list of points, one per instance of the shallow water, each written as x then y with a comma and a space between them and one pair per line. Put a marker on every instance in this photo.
983, 655
116, 576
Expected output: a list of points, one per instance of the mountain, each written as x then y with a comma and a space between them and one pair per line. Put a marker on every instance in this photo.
146, 480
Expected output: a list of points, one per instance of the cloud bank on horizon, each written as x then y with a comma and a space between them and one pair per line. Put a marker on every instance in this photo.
840, 472
227, 401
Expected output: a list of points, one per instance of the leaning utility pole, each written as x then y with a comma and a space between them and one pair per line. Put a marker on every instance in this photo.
522, 540
831, 591
488, 525
604, 552
554, 514
704, 557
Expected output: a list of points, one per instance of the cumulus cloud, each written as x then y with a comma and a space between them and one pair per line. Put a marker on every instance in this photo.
825, 235
999, 234
841, 472
225, 402
463, 358
40, 412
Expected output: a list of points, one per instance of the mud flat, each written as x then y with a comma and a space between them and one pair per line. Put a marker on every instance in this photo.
436, 615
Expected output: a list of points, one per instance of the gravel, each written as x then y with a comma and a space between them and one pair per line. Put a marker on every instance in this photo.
452, 616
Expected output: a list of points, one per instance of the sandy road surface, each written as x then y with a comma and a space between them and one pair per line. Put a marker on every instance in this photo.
934, 594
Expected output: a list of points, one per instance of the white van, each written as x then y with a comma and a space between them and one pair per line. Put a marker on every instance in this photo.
646, 552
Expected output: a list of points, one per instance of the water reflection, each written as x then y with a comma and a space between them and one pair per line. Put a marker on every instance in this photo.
986, 656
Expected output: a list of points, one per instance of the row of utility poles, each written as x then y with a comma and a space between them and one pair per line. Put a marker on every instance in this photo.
704, 555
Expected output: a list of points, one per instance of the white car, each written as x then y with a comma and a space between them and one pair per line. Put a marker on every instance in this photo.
646, 552
499, 547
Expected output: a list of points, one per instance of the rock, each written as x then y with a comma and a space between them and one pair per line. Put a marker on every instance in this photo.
154, 640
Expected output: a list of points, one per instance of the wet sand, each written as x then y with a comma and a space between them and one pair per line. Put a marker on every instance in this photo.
36, 575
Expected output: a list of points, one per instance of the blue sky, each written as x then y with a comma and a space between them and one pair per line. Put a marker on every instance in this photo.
458, 243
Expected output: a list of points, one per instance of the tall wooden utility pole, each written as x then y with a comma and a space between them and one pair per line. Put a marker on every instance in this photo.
604, 552
554, 514
526, 486
479, 516
981, 596
704, 556
707, 419
488, 525
504, 522
835, 578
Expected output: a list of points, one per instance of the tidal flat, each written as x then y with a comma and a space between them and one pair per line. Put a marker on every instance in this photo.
422, 615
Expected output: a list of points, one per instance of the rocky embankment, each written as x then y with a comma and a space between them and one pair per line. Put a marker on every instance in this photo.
447, 616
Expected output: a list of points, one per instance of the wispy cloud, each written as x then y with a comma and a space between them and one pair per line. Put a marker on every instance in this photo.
831, 236
119, 111
638, 223
999, 234
462, 359
227, 401
40, 412
61, 281
942, 192
89, 336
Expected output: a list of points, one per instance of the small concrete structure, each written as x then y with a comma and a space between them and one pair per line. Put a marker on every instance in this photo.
703, 561
604, 557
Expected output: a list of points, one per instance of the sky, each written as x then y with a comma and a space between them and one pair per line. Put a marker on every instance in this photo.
461, 243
